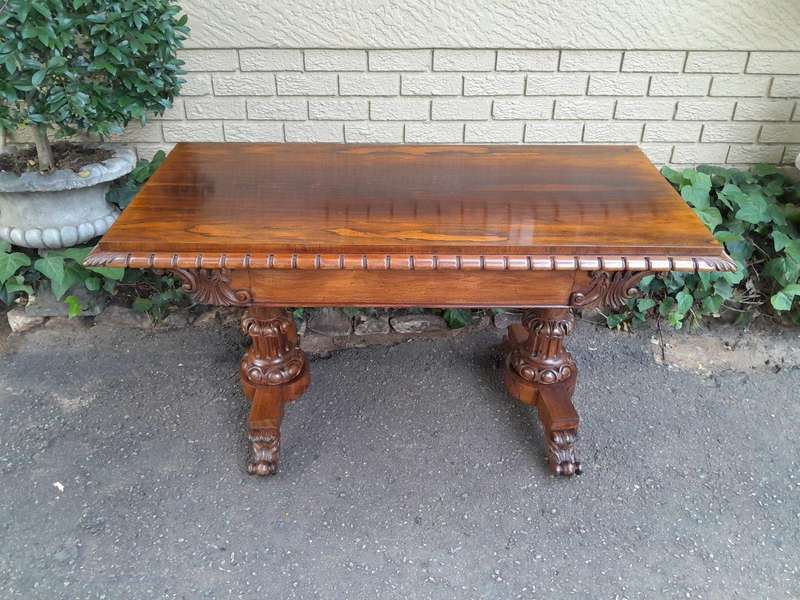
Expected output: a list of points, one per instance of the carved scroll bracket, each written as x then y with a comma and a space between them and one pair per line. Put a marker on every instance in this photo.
610, 290
211, 286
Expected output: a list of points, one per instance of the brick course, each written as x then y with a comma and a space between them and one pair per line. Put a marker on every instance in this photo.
682, 107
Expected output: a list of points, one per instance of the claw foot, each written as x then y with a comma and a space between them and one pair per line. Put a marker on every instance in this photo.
561, 453
266, 444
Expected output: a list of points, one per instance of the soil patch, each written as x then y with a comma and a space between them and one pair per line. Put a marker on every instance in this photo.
67, 155
764, 346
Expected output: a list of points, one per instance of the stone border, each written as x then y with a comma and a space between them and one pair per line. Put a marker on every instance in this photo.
372, 328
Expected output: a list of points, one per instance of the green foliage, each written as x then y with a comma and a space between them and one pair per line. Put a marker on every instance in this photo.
22, 271
73, 306
755, 215
457, 317
12, 278
88, 65
153, 293
64, 270
126, 188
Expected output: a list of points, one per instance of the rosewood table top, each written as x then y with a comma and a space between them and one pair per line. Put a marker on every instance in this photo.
551, 229
333, 206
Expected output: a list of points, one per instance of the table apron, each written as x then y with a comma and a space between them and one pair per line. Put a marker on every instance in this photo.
405, 288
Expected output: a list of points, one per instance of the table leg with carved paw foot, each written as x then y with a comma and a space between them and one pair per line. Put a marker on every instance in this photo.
560, 422
541, 372
274, 373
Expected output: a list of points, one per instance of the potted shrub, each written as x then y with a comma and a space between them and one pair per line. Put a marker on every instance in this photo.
77, 67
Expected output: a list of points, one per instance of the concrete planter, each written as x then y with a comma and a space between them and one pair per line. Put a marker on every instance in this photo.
61, 209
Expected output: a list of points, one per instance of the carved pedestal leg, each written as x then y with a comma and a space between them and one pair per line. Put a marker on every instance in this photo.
274, 372
540, 371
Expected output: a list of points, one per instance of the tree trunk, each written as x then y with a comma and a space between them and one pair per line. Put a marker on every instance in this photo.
44, 151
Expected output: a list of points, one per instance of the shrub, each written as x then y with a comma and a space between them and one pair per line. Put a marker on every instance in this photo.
755, 215
86, 65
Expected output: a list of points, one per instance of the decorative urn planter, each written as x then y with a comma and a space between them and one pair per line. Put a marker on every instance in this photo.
64, 208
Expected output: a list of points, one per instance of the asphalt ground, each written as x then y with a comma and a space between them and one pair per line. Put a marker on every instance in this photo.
407, 472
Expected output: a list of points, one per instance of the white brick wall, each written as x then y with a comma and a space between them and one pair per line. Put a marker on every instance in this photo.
654, 61
338, 109
527, 60
682, 107
400, 60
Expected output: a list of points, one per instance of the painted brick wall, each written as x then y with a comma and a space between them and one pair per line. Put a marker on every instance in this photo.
681, 107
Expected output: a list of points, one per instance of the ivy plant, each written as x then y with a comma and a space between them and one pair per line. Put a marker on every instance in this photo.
22, 271
457, 318
64, 271
86, 65
154, 294
124, 189
755, 214
12, 273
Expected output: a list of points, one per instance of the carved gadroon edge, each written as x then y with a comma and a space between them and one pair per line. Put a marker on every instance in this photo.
608, 290
206, 286
409, 262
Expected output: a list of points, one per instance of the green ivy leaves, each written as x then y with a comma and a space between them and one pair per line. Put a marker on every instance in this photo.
64, 270
165, 292
123, 192
754, 214
783, 299
11, 262
11, 281
783, 243
696, 192
753, 209
457, 318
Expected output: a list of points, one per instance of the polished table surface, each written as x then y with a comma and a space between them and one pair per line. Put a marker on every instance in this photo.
332, 205
553, 229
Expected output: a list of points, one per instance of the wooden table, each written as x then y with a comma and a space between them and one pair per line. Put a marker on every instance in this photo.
549, 228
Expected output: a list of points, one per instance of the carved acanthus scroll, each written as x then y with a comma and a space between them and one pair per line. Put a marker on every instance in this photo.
608, 289
211, 286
